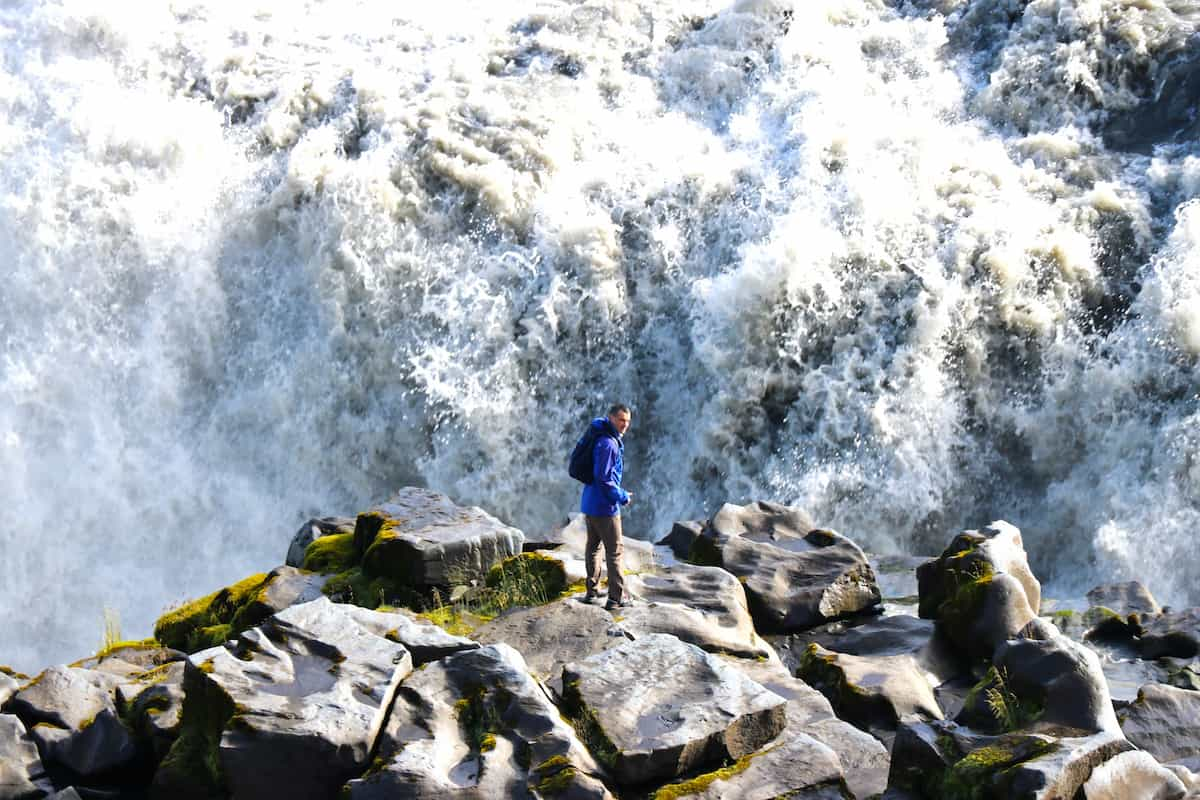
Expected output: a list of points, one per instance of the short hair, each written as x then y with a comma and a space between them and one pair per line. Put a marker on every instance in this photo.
617, 408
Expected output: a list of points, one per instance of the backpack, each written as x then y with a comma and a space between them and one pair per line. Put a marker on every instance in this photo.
580, 466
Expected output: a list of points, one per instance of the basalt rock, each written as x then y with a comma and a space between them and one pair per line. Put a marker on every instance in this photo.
796, 577
1176, 635
22, 776
420, 539
980, 590
1133, 775
312, 530
1165, 722
683, 537
1119, 610
424, 641
71, 713
152, 703
292, 709
8, 687
476, 725
657, 708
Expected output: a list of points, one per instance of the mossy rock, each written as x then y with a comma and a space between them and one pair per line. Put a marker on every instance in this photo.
357, 587
981, 774
700, 783
992, 706
332, 554
539, 578
587, 727
212, 619
192, 768
12, 673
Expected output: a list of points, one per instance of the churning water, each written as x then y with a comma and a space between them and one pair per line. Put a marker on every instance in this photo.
912, 265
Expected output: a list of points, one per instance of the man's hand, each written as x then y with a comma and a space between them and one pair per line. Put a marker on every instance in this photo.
629, 501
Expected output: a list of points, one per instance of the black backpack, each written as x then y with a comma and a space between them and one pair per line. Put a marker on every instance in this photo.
580, 466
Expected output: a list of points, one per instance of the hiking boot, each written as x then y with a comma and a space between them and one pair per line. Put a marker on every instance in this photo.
611, 604
589, 598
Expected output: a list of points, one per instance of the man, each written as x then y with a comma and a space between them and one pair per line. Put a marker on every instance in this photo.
601, 505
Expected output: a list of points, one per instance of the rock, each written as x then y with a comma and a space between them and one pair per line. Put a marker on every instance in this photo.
220, 616
8, 687
659, 708
476, 725
980, 590
424, 641
68, 793
21, 774
1130, 775
682, 537
1165, 722
569, 544
1126, 598
898, 635
793, 766
131, 659
419, 538
553, 635
864, 760
152, 703
1176, 635
873, 693
794, 578
941, 760
292, 709
705, 606
72, 715
1061, 677
312, 530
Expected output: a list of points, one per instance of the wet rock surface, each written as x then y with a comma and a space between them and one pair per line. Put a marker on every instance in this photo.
21, 772
658, 708
476, 725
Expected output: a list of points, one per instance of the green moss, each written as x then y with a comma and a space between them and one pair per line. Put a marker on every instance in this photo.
454, 621
528, 579
995, 707
156, 675
331, 554
193, 763
212, 619
357, 587
478, 719
980, 775
554, 776
115, 647
702, 782
587, 727
10, 672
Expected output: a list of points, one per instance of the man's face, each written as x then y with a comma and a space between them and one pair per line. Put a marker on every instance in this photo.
620, 421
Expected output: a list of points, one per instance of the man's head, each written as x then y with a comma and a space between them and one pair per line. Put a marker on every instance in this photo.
620, 416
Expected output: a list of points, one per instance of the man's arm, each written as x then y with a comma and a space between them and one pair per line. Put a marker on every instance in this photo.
604, 458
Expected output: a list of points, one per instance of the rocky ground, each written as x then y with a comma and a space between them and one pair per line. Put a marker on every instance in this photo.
427, 650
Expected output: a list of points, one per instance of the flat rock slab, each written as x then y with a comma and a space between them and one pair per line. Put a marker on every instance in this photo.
424, 641
657, 708
703, 605
309, 690
874, 693
1176, 635
21, 772
1165, 722
477, 725
72, 715
794, 579
420, 538
863, 758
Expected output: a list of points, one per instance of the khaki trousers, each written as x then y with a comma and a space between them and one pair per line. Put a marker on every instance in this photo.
606, 530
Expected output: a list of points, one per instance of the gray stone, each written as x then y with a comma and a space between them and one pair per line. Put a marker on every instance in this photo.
1176, 635
71, 713
288, 586
794, 578
1133, 775
980, 590
682, 537
153, 705
312, 530
476, 725
8, 687
419, 538
424, 641
68, 793
863, 758
874, 693
130, 660
793, 766
1061, 772
1126, 598
702, 605
305, 695
1165, 722
21, 771
658, 708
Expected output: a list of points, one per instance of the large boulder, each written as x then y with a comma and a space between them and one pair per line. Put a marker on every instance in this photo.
312, 530
863, 758
683, 537
292, 709
8, 687
72, 715
796, 577
980, 590
703, 605
152, 704
1165, 722
420, 539
22, 776
1175, 635
657, 708
875, 693
1133, 774
476, 725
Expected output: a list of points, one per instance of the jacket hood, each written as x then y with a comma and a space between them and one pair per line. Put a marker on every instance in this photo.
602, 425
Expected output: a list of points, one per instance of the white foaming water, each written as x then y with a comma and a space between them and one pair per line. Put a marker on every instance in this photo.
913, 266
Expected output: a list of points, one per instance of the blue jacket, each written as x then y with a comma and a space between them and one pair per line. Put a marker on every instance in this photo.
604, 496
